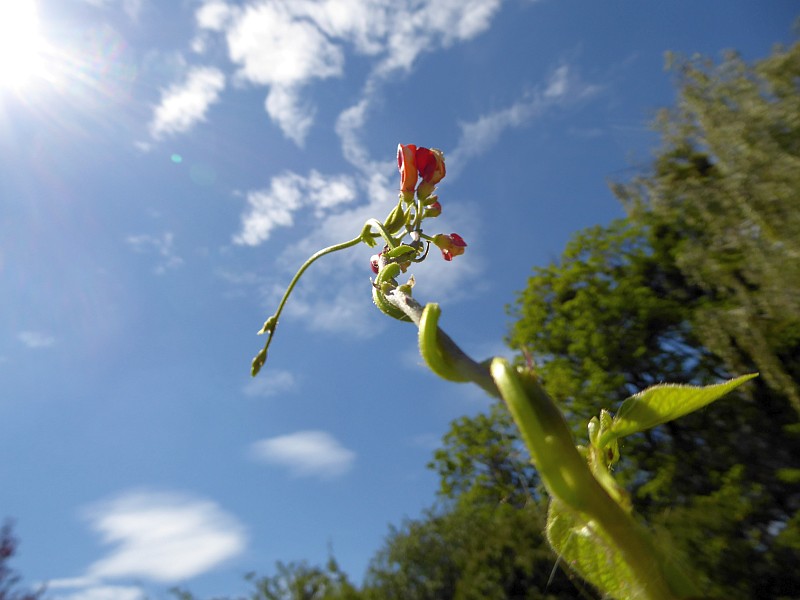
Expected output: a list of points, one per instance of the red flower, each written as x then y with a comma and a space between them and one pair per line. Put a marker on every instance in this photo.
430, 163
450, 245
406, 163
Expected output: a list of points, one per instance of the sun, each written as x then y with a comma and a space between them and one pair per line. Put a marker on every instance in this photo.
21, 43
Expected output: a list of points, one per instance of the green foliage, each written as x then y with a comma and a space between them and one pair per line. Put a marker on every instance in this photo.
694, 285
483, 458
299, 581
662, 403
295, 581
721, 205
469, 551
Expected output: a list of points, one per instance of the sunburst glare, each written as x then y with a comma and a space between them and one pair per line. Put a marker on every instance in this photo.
21, 44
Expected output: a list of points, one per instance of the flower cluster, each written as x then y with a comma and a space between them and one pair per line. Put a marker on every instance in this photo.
421, 169
426, 167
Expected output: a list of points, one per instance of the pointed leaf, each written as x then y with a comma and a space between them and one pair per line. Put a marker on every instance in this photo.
662, 403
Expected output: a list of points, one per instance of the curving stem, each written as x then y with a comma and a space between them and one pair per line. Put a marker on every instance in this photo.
546, 434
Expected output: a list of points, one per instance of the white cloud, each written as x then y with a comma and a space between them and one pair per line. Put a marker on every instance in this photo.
164, 537
478, 136
287, 45
183, 105
305, 453
214, 15
36, 339
275, 207
270, 382
161, 245
348, 127
273, 47
294, 117
422, 27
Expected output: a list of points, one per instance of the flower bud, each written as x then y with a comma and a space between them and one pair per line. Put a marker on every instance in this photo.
433, 210
269, 325
451, 245
373, 262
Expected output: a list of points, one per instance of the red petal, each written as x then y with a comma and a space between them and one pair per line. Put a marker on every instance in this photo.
458, 240
426, 163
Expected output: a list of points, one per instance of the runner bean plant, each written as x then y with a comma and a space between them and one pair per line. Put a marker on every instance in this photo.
590, 522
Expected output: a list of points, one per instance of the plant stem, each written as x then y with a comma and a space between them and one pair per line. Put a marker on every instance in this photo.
568, 478
261, 357
549, 440
436, 343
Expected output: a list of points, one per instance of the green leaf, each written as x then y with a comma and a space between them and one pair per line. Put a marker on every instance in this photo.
583, 548
662, 403
400, 251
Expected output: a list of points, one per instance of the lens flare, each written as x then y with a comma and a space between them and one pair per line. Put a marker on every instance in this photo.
21, 44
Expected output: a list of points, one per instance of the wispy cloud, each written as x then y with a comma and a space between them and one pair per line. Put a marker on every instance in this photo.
419, 27
163, 537
305, 454
275, 206
36, 339
161, 245
185, 104
563, 87
272, 382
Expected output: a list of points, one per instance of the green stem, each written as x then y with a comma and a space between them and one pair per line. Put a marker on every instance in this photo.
439, 351
259, 360
569, 479
390, 239
549, 440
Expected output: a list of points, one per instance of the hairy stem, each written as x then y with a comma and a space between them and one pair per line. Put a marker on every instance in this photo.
435, 344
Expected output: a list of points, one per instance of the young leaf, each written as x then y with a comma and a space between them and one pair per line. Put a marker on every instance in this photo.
662, 403
580, 545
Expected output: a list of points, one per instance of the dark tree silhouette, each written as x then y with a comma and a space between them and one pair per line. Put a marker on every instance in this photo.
9, 579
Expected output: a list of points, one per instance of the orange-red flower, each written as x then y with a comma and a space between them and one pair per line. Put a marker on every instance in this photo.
451, 245
430, 163
407, 165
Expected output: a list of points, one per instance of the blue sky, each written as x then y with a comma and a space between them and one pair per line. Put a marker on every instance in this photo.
164, 169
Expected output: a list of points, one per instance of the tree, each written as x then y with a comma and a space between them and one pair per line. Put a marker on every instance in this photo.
295, 581
482, 458
470, 551
721, 202
8, 578
694, 286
